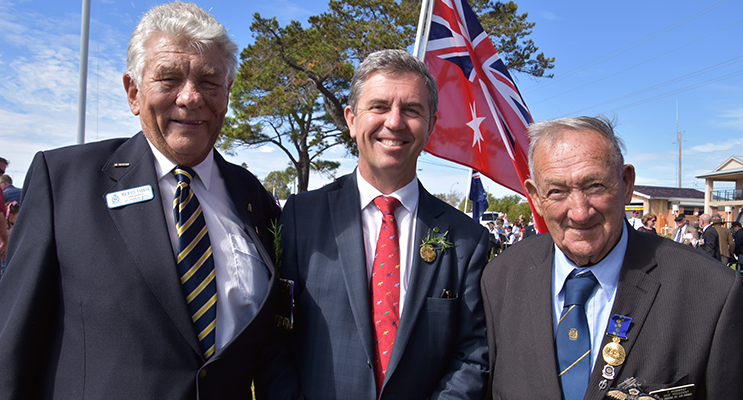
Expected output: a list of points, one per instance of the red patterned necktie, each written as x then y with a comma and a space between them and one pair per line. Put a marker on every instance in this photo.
385, 287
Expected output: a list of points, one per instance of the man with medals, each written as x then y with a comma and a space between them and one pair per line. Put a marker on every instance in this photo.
575, 315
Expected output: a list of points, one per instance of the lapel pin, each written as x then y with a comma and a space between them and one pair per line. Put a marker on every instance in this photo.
250, 207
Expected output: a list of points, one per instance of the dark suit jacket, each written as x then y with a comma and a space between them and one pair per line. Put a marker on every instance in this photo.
710, 243
439, 349
738, 239
92, 306
687, 315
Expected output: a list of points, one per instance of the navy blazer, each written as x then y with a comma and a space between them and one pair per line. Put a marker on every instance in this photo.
439, 351
92, 306
686, 310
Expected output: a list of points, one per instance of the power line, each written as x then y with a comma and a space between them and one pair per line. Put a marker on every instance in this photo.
660, 85
684, 89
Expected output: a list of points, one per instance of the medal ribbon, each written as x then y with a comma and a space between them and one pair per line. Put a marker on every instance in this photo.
618, 326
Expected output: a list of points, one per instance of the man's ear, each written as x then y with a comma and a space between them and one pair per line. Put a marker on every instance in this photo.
350, 120
628, 177
533, 193
131, 94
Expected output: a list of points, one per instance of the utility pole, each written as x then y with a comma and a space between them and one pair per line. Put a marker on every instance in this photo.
679, 136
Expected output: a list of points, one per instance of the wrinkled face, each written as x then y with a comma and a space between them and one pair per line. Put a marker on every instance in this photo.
580, 194
391, 126
182, 99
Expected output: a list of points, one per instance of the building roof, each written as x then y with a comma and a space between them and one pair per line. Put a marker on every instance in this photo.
730, 170
660, 192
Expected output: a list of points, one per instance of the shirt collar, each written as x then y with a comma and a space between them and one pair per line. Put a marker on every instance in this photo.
408, 194
163, 166
606, 271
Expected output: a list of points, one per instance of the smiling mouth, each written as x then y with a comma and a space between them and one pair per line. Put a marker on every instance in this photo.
390, 142
191, 123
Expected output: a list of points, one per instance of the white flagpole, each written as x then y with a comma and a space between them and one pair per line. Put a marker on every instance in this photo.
424, 26
83, 80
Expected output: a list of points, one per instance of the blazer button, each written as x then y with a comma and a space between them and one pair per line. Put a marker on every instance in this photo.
202, 373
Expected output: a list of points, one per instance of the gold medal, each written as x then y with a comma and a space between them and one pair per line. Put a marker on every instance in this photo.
614, 353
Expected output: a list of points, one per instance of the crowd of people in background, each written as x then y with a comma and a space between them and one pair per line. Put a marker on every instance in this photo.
722, 243
709, 235
504, 234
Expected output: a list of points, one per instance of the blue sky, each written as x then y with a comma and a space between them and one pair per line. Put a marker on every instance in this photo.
634, 61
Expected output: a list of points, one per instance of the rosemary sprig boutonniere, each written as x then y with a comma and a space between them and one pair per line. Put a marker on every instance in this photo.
433, 239
275, 230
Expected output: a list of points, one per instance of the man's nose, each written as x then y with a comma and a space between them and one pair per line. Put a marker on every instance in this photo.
190, 96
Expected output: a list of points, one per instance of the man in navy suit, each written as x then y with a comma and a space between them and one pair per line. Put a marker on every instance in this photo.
93, 304
436, 336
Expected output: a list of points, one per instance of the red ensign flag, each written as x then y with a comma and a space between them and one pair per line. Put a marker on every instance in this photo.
482, 117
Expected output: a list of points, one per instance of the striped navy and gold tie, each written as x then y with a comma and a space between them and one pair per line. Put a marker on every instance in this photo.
195, 261
573, 340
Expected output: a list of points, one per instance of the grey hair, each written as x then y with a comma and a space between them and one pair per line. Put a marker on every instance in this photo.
548, 132
394, 62
185, 22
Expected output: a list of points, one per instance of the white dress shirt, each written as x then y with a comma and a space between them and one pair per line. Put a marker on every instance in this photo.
599, 304
371, 221
242, 276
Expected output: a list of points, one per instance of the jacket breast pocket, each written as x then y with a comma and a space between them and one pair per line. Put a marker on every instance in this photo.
443, 322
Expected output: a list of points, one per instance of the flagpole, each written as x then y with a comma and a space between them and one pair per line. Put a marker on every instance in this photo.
83, 80
467, 193
424, 26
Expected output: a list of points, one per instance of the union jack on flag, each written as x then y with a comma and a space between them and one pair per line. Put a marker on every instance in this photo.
483, 119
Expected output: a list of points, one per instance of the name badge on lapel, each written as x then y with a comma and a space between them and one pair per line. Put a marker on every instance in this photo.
129, 196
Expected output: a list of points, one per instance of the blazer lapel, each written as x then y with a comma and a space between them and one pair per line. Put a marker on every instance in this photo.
346, 225
421, 274
635, 295
538, 304
143, 231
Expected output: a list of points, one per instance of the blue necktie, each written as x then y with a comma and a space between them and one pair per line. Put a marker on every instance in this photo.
573, 340
195, 260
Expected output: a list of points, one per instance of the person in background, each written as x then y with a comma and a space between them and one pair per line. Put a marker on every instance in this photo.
3, 224
596, 310
635, 221
725, 239
11, 213
139, 267
10, 192
738, 239
648, 223
684, 232
710, 240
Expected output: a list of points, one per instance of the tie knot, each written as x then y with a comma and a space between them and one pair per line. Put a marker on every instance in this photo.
183, 174
579, 287
387, 205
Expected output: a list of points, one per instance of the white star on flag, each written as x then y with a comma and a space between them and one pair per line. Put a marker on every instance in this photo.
475, 126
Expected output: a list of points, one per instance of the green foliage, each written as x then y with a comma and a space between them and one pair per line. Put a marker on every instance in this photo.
513, 205
292, 84
280, 181
452, 198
